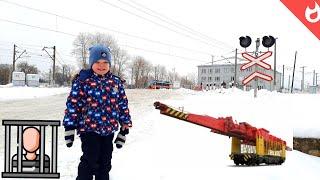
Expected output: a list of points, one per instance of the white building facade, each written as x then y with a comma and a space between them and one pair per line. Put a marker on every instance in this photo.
210, 76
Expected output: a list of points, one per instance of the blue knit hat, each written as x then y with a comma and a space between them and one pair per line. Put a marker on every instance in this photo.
98, 52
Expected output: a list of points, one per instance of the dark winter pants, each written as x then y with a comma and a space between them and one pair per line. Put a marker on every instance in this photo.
96, 158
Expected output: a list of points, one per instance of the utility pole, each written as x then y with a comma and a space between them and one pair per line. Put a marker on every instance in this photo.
15, 58
282, 77
49, 76
314, 77
174, 74
54, 64
235, 68
280, 82
212, 58
13, 62
275, 65
132, 76
289, 83
53, 57
255, 67
63, 76
294, 68
302, 81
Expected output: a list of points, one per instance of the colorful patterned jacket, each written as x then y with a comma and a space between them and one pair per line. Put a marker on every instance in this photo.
96, 104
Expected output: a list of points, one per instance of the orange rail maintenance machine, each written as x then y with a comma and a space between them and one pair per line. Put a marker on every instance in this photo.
249, 146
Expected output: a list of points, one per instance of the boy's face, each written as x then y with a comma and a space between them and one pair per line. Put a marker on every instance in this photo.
101, 67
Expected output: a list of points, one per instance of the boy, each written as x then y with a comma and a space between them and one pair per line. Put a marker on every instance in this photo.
96, 105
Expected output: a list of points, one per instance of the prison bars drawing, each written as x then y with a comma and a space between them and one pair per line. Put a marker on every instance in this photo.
54, 151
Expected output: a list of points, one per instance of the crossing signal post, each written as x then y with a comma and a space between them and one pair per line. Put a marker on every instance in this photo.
245, 41
267, 42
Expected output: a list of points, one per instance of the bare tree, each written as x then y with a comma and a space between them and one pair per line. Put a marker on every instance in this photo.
163, 73
85, 40
80, 50
137, 65
146, 75
5, 70
63, 75
68, 73
173, 76
141, 71
121, 59
155, 72
188, 81
27, 68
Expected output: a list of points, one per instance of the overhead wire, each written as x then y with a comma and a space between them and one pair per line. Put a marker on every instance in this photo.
153, 22
102, 27
33, 26
170, 21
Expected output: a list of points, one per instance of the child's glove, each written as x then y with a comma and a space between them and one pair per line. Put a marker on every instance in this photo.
69, 136
121, 137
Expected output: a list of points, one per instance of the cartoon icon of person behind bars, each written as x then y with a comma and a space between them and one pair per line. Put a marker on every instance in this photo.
96, 105
31, 144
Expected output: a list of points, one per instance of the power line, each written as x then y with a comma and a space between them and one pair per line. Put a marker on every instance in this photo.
165, 27
105, 28
162, 53
23, 44
65, 55
37, 27
34, 53
59, 57
47, 29
6, 49
173, 22
32, 47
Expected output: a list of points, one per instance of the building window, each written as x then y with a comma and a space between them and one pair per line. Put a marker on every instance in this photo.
203, 71
232, 78
260, 87
217, 70
232, 70
209, 78
226, 70
203, 78
217, 79
210, 71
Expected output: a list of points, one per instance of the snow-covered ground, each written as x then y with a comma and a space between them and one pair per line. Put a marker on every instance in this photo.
160, 147
8, 92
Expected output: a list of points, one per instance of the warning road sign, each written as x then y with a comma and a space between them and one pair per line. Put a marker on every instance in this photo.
254, 75
256, 60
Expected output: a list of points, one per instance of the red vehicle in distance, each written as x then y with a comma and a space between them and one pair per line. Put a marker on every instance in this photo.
157, 84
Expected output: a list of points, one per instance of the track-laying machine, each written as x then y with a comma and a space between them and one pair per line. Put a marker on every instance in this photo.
249, 145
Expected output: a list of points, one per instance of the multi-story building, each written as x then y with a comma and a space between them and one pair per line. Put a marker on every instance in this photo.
217, 74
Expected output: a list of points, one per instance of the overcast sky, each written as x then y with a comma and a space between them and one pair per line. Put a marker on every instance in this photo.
222, 22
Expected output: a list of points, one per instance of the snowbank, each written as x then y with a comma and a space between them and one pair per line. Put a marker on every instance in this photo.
8, 92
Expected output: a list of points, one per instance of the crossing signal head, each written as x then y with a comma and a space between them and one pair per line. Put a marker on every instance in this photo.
268, 41
245, 41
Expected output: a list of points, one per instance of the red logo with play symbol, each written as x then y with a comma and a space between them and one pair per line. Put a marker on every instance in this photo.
308, 12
